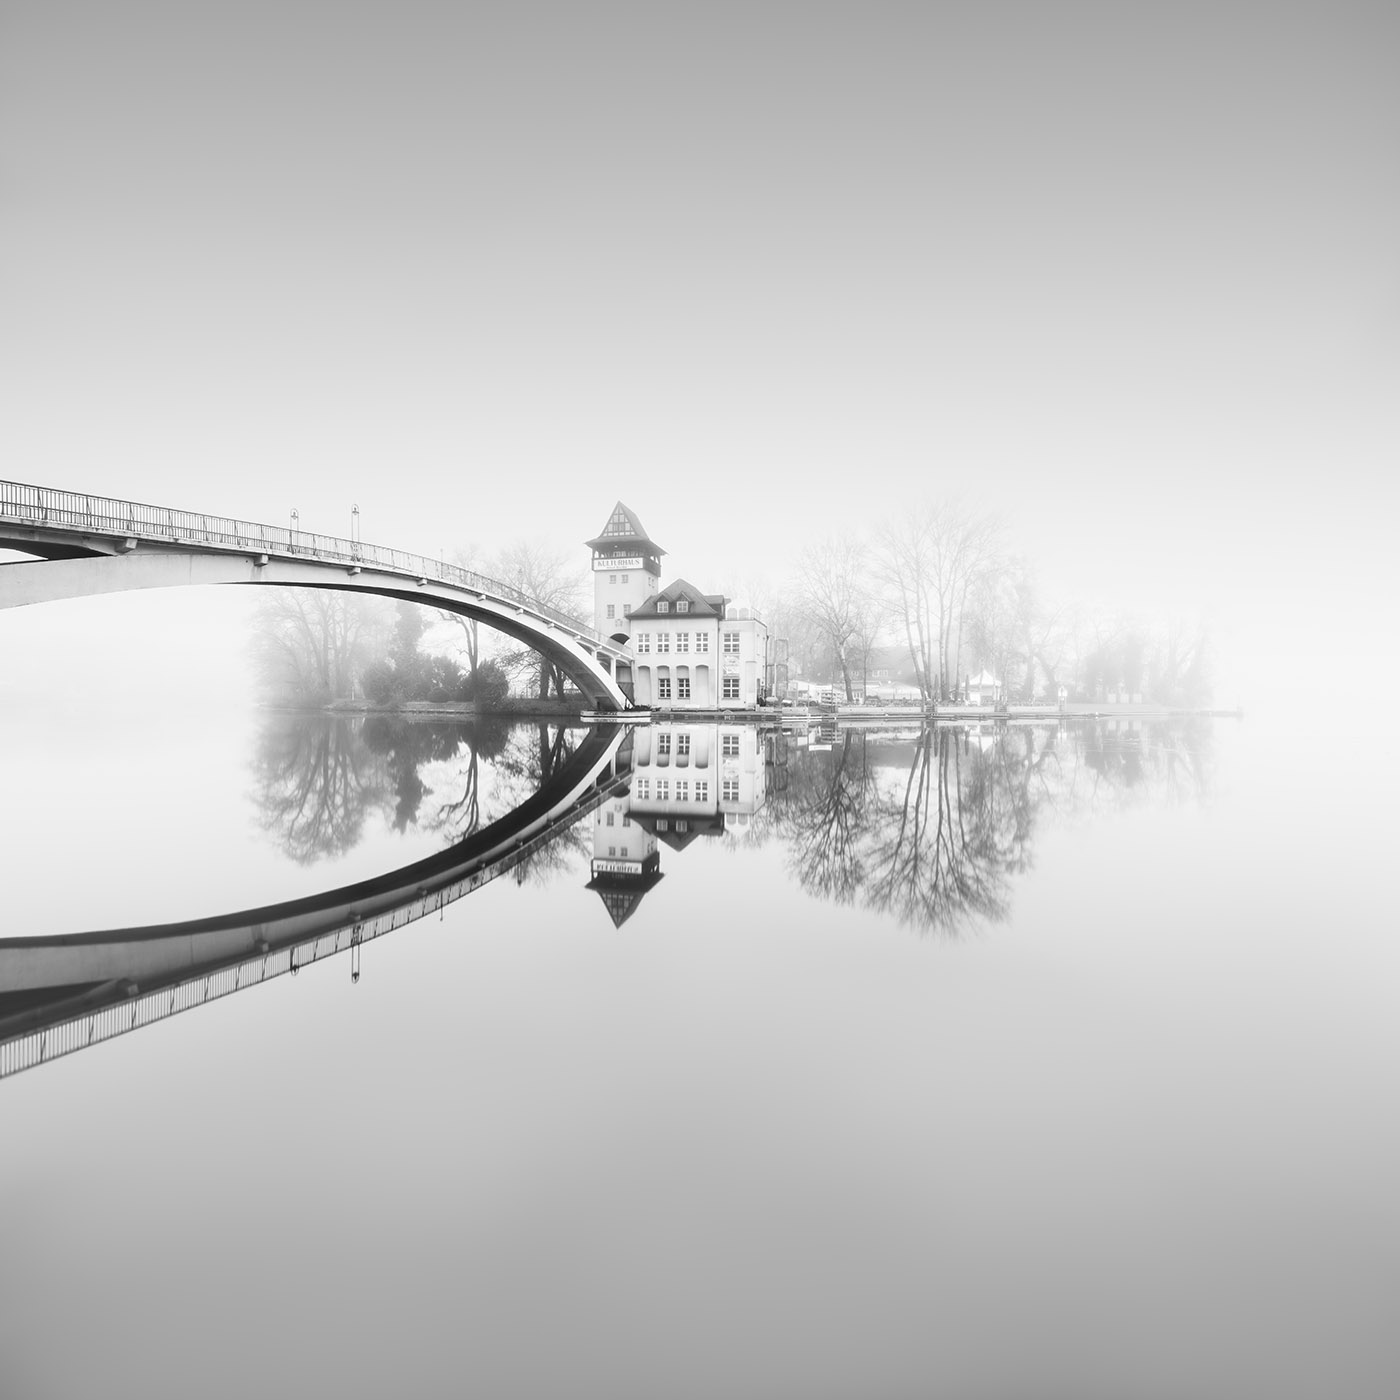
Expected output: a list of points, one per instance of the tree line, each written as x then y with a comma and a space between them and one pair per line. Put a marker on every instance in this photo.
314, 646
927, 599
936, 596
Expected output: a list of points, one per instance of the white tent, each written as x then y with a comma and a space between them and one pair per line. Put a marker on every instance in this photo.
983, 689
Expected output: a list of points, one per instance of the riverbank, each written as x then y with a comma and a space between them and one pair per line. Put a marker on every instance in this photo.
512, 708
963, 714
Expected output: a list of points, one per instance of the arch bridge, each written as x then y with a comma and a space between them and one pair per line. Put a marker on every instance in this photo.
95, 544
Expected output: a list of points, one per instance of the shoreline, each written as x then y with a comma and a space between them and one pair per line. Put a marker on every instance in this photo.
910, 714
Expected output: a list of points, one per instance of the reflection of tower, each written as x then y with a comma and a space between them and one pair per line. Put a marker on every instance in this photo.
626, 570
626, 863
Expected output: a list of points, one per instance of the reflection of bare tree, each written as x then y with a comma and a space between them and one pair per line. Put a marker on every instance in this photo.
826, 813
534, 753
321, 777
940, 855
1111, 766
933, 830
317, 782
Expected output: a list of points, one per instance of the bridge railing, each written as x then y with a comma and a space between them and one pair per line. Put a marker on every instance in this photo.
104, 515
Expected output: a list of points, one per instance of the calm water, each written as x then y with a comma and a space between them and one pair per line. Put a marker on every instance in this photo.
1033, 1062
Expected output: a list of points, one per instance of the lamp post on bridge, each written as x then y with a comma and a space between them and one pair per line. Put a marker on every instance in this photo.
292, 529
355, 529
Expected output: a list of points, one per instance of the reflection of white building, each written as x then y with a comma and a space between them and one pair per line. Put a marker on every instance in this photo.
688, 780
690, 650
695, 777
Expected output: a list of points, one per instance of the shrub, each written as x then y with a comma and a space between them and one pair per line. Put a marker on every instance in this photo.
380, 683
487, 686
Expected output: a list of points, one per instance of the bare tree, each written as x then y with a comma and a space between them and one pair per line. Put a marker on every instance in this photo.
930, 558
831, 592
872, 616
1010, 628
547, 578
313, 644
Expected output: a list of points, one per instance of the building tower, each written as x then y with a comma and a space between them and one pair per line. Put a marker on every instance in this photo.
626, 571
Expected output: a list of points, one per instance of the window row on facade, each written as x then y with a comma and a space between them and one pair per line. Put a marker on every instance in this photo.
678, 688
645, 790
729, 641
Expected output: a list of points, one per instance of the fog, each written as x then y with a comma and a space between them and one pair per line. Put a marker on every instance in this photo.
1125, 277
1122, 277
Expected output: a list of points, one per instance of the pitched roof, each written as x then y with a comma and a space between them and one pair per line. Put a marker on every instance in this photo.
701, 604
667, 826
622, 894
624, 528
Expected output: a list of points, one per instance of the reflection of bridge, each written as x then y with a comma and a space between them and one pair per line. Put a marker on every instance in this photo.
65, 993
90, 544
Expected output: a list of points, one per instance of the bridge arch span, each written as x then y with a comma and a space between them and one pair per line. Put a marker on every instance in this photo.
102, 546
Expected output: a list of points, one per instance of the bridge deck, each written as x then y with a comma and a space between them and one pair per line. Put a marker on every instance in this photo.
48, 516
98, 544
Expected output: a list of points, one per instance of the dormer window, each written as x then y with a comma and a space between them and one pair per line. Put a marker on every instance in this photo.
683, 605
662, 606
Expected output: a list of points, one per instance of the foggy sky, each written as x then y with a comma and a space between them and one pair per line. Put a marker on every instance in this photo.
1124, 273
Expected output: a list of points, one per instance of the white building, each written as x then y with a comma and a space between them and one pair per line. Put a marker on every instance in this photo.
690, 650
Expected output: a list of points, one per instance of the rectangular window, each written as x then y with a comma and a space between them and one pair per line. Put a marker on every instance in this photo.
643, 788
610, 818
627, 610
663, 641
682, 826
612, 850
682, 745
702, 792
731, 687
683, 688
682, 641
643, 641
682, 792
662, 605
622, 578
730, 791
663, 790
612, 610
683, 605
627, 821
702, 641
612, 578
731, 643
663, 745
729, 746
663, 690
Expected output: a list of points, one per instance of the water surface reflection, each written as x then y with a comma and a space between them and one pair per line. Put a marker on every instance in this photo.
929, 825
321, 781
934, 827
